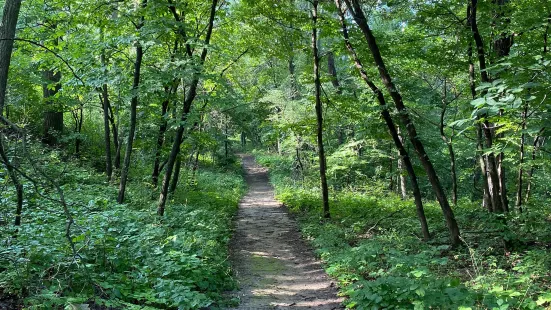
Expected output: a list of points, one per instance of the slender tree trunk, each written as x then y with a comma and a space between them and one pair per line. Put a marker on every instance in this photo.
10, 16
79, 121
401, 164
332, 70
226, 140
319, 113
190, 97
546, 35
195, 166
294, 85
53, 117
486, 201
8, 26
360, 18
160, 142
393, 129
104, 98
518, 203
391, 172
502, 181
133, 113
107, 132
494, 190
15, 180
538, 142
116, 140
176, 176
449, 144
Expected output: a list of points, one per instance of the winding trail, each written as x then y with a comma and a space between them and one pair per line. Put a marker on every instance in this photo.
275, 268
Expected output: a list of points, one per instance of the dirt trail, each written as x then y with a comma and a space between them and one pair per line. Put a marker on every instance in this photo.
274, 266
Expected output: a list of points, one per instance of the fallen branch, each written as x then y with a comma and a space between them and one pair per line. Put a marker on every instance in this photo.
383, 218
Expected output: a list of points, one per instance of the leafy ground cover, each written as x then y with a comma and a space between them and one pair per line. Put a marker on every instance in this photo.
372, 245
125, 255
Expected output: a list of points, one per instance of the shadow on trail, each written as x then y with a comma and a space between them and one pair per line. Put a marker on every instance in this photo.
274, 266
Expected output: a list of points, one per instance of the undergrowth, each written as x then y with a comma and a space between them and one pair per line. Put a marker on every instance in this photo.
126, 256
372, 245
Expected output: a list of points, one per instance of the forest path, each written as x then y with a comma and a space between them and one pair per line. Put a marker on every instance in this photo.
275, 268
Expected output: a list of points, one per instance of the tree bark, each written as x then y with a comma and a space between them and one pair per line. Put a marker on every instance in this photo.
546, 35
116, 139
106, 128
190, 97
518, 203
133, 112
401, 164
486, 202
319, 113
449, 143
393, 129
538, 142
15, 180
10, 16
160, 139
494, 189
8, 26
360, 18
294, 85
78, 116
53, 117
104, 98
176, 176
332, 70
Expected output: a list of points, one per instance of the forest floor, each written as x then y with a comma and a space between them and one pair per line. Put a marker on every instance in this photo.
274, 266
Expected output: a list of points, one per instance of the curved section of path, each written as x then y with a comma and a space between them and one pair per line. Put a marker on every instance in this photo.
274, 266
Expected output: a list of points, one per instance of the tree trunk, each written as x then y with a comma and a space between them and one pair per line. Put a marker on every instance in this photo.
79, 121
160, 141
449, 143
393, 129
7, 33
391, 172
190, 97
486, 201
518, 203
106, 128
401, 164
176, 176
133, 113
332, 70
294, 85
538, 142
361, 20
104, 98
226, 140
319, 113
494, 189
15, 180
546, 35
8, 26
53, 117
116, 139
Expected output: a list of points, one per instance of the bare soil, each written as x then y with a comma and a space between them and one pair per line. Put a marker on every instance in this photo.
275, 268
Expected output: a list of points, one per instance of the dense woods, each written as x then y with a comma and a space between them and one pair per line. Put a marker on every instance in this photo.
409, 138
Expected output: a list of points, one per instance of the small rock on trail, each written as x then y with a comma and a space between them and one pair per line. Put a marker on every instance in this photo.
274, 266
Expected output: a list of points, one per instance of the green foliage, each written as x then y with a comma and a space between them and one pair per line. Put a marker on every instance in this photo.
381, 263
126, 254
